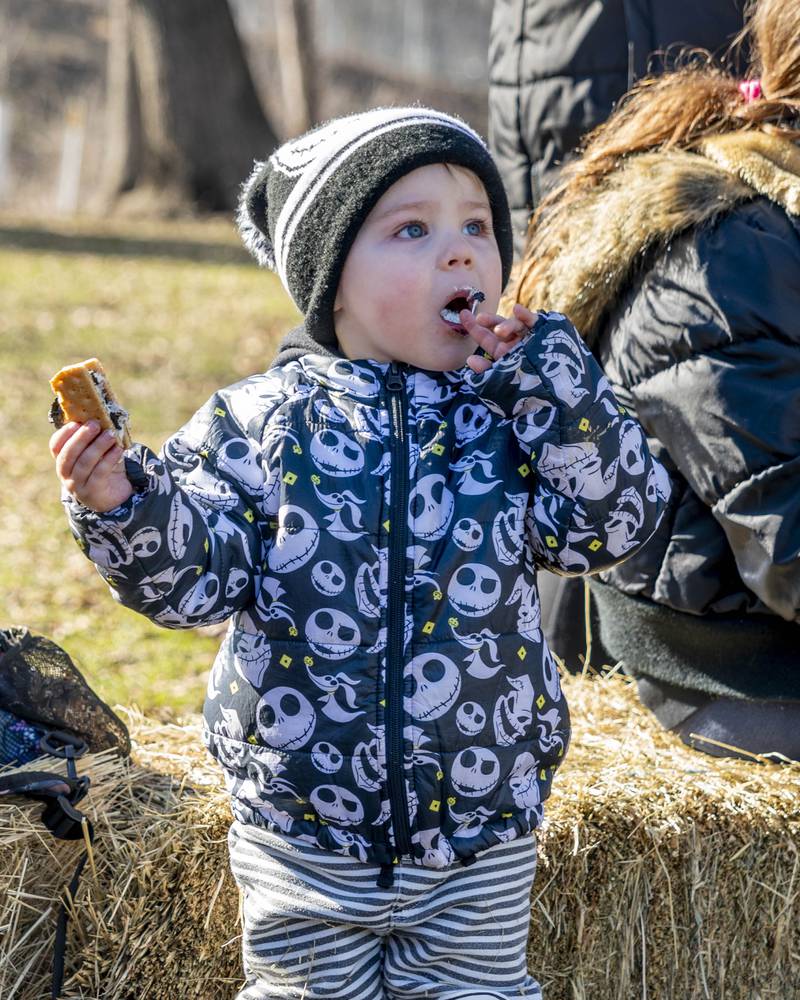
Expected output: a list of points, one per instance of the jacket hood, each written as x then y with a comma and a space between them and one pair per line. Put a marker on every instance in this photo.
643, 205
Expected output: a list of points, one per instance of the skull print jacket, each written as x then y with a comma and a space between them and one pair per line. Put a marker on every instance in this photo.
374, 532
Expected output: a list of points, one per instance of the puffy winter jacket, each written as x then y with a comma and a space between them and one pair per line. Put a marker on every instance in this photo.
556, 68
374, 530
690, 301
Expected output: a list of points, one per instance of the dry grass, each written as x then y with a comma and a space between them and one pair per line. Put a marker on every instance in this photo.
173, 317
663, 873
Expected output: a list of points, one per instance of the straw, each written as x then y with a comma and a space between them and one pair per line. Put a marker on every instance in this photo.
663, 872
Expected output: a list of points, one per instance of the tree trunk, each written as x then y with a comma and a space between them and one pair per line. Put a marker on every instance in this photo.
185, 123
294, 28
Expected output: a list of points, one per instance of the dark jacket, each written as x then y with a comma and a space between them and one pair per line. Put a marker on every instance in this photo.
374, 530
556, 68
700, 338
705, 348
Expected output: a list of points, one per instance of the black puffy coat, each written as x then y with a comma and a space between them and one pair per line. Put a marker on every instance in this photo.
384, 688
705, 348
690, 302
556, 68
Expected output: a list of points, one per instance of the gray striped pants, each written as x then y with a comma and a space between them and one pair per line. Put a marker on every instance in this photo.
317, 927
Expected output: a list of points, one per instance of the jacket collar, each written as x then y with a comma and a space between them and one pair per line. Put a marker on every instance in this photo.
361, 380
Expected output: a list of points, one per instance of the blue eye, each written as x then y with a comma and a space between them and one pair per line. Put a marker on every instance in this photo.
474, 228
412, 230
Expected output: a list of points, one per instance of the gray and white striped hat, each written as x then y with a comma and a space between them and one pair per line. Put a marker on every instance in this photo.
301, 209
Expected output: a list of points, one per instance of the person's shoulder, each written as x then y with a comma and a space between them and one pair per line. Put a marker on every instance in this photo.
750, 268
733, 279
748, 228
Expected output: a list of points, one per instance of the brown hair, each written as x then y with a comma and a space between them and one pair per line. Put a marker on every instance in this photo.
676, 111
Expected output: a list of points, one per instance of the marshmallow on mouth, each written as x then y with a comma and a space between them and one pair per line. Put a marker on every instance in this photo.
464, 298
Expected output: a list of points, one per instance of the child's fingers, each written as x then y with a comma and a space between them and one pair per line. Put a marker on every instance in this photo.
95, 459
524, 315
479, 364
80, 454
479, 331
60, 437
76, 437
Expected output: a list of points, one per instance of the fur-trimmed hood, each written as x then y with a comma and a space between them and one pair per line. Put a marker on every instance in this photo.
644, 204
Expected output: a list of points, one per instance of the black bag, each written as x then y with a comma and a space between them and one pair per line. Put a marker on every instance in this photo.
40, 685
48, 709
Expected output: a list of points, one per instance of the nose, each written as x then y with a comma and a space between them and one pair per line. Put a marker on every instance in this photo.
457, 253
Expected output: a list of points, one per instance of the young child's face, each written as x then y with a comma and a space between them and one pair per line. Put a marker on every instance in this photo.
428, 239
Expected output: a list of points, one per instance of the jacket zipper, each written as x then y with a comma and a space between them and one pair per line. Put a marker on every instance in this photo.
395, 624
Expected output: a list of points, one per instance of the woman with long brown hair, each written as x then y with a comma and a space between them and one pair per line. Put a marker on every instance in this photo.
673, 243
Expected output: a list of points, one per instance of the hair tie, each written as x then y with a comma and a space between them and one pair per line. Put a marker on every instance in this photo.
750, 90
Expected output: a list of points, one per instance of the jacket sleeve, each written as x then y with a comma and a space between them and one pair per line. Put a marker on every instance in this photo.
727, 407
186, 549
597, 494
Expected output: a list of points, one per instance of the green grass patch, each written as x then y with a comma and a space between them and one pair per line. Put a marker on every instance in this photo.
170, 330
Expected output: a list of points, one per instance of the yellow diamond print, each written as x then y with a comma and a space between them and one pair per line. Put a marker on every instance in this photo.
437, 595
274, 526
323, 822
434, 806
205, 545
452, 622
583, 424
428, 627
522, 653
199, 570
552, 541
560, 751
203, 453
300, 802
543, 774
285, 660
451, 800
533, 455
622, 409
308, 816
297, 449
316, 480
595, 545
251, 738
290, 478
540, 702
438, 449
506, 815
523, 470
292, 631
442, 425
249, 516
439, 775
308, 660
234, 687
382, 703
386, 526
219, 411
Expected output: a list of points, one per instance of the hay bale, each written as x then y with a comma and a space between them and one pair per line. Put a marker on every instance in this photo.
663, 873
158, 915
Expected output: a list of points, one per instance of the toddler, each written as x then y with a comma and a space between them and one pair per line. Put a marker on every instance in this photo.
371, 513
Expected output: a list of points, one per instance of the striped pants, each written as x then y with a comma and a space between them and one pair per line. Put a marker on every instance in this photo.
317, 927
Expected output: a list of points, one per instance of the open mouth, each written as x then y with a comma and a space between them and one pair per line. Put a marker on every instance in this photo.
464, 298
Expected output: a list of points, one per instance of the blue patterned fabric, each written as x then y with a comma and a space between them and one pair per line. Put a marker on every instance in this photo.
19, 740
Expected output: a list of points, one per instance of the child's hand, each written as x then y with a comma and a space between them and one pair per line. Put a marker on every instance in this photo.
495, 334
89, 464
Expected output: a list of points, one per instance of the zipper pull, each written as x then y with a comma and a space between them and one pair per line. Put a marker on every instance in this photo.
394, 378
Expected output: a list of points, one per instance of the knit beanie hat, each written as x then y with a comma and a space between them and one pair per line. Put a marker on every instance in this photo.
301, 210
